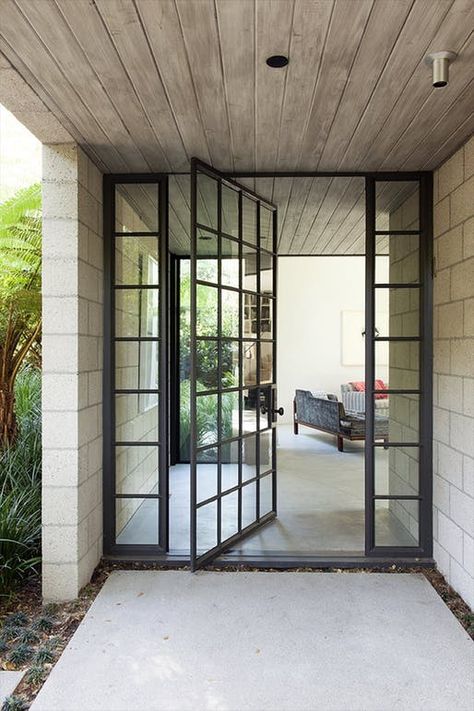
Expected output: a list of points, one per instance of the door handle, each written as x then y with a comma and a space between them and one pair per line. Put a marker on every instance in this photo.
280, 411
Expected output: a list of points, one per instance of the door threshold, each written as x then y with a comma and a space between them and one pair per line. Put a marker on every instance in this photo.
280, 561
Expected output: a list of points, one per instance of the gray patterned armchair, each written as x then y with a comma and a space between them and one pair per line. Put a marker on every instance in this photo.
327, 414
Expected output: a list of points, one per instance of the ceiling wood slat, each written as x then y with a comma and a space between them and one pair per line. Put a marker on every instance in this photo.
201, 40
423, 22
273, 33
308, 35
163, 30
109, 70
340, 50
383, 27
418, 103
126, 31
238, 52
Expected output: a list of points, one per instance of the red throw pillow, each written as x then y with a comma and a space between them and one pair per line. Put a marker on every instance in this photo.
359, 386
380, 385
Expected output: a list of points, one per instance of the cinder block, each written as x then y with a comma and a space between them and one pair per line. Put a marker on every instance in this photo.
462, 510
94, 181
450, 464
60, 354
469, 317
60, 544
442, 287
469, 158
451, 174
441, 356
94, 388
441, 425
59, 238
60, 467
468, 555
88, 424
462, 582
60, 277
461, 434
450, 324
442, 558
468, 475
60, 506
462, 357
462, 200
60, 200
60, 581
468, 398
60, 430
450, 536
441, 494
450, 393
59, 315
468, 238
462, 279
60, 163
441, 217
59, 391
450, 247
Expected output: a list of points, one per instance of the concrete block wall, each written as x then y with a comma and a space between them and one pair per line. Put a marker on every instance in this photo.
453, 486
72, 370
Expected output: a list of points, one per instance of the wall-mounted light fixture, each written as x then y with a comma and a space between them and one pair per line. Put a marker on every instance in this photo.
439, 62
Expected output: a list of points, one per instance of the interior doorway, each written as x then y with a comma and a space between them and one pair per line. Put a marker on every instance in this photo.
205, 308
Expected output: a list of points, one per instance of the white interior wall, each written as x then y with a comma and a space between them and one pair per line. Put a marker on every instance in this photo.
312, 294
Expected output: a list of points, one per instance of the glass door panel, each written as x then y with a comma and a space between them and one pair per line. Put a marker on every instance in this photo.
135, 468
232, 311
398, 358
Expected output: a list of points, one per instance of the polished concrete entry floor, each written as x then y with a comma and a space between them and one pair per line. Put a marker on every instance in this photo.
210, 641
320, 503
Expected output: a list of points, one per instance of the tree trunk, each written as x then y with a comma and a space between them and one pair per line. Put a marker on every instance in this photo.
8, 423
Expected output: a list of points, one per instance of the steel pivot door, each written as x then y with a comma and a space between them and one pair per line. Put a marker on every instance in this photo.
233, 362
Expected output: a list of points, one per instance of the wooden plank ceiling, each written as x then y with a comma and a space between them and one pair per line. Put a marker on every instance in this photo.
143, 85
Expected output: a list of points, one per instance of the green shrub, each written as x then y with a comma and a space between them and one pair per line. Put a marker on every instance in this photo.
14, 703
20, 487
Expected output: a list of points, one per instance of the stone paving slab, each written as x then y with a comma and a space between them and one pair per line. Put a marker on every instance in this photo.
243, 641
9, 680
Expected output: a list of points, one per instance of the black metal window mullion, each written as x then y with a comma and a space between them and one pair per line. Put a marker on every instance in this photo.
259, 393
369, 362
219, 362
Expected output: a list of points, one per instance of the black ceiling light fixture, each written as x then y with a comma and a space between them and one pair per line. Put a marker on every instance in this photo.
276, 61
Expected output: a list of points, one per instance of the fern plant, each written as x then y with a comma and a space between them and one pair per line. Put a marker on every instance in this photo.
20, 300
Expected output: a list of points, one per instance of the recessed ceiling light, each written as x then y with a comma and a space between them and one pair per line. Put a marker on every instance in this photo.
277, 61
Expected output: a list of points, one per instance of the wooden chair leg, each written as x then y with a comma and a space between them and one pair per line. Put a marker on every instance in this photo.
340, 443
295, 419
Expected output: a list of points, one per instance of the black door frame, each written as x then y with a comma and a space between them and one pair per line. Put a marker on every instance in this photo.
374, 556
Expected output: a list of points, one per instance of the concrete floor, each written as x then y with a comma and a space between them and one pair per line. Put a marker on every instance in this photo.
320, 503
174, 641
9, 680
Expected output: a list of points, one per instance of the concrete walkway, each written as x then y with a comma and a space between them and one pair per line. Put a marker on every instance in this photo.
264, 641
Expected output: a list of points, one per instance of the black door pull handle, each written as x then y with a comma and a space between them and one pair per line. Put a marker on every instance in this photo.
264, 410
